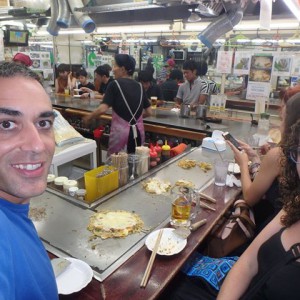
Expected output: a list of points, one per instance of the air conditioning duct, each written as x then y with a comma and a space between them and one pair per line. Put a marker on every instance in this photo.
222, 25
87, 24
64, 15
52, 27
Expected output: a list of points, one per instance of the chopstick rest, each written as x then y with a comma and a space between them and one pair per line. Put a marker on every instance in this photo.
151, 260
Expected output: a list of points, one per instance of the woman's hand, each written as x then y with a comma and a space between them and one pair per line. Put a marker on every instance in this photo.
241, 157
252, 154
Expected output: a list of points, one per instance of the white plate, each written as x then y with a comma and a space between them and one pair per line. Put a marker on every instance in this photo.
170, 243
76, 276
76, 96
234, 168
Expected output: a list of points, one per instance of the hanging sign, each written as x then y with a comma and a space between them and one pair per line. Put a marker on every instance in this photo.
224, 62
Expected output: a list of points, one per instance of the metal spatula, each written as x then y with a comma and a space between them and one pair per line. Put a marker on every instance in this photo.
184, 232
59, 265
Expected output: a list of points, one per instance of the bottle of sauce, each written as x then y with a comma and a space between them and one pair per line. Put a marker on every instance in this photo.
166, 149
153, 157
158, 150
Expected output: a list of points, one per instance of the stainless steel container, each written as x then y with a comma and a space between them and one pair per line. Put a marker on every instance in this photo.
201, 111
185, 110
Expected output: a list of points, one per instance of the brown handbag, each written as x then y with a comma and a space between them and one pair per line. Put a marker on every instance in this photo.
232, 231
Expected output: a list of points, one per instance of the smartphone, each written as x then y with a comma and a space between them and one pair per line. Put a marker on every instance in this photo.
230, 138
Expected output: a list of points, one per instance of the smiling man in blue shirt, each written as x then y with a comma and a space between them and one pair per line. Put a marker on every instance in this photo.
26, 150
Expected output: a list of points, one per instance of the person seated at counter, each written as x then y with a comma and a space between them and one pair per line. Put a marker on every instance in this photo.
170, 87
209, 87
283, 227
262, 191
84, 83
26, 151
151, 88
129, 102
103, 78
190, 91
65, 79
269, 268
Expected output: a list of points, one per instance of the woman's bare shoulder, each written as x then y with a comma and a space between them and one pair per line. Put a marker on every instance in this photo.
273, 154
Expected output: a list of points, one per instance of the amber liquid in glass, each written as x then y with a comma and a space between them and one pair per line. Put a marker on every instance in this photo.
181, 210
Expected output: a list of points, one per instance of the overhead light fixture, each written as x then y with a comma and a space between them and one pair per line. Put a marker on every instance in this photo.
277, 24
62, 32
258, 39
294, 7
118, 29
17, 24
194, 17
135, 29
196, 27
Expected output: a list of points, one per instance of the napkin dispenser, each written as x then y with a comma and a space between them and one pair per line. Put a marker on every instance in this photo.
215, 142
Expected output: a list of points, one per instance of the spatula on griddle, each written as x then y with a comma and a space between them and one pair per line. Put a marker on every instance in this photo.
184, 232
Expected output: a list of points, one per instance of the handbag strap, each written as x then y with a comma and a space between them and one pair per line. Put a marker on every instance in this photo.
290, 255
245, 218
242, 221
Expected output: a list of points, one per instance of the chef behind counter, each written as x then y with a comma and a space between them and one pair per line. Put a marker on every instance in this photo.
129, 102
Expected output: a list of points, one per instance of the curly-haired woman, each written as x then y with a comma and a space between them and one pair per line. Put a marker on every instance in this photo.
270, 267
265, 183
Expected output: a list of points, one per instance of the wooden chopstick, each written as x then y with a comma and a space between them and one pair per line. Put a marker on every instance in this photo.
206, 197
151, 260
204, 205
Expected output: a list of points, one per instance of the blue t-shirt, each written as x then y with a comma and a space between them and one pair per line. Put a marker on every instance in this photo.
25, 269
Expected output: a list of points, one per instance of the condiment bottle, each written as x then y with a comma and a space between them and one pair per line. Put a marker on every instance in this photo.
50, 179
80, 194
59, 182
68, 184
153, 157
158, 151
166, 149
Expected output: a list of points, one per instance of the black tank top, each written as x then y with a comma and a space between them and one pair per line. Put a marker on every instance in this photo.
285, 282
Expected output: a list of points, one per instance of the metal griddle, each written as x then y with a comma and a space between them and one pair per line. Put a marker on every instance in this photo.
63, 230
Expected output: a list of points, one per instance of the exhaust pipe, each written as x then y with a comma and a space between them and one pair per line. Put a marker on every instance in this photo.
52, 27
224, 24
64, 15
87, 24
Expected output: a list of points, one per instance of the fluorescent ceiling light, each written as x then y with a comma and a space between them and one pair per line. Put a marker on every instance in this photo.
18, 24
293, 5
116, 29
40, 42
278, 24
62, 31
134, 29
247, 25
197, 26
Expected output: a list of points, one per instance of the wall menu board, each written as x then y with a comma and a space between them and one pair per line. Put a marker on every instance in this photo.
241, 64
41, 60
259, 79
